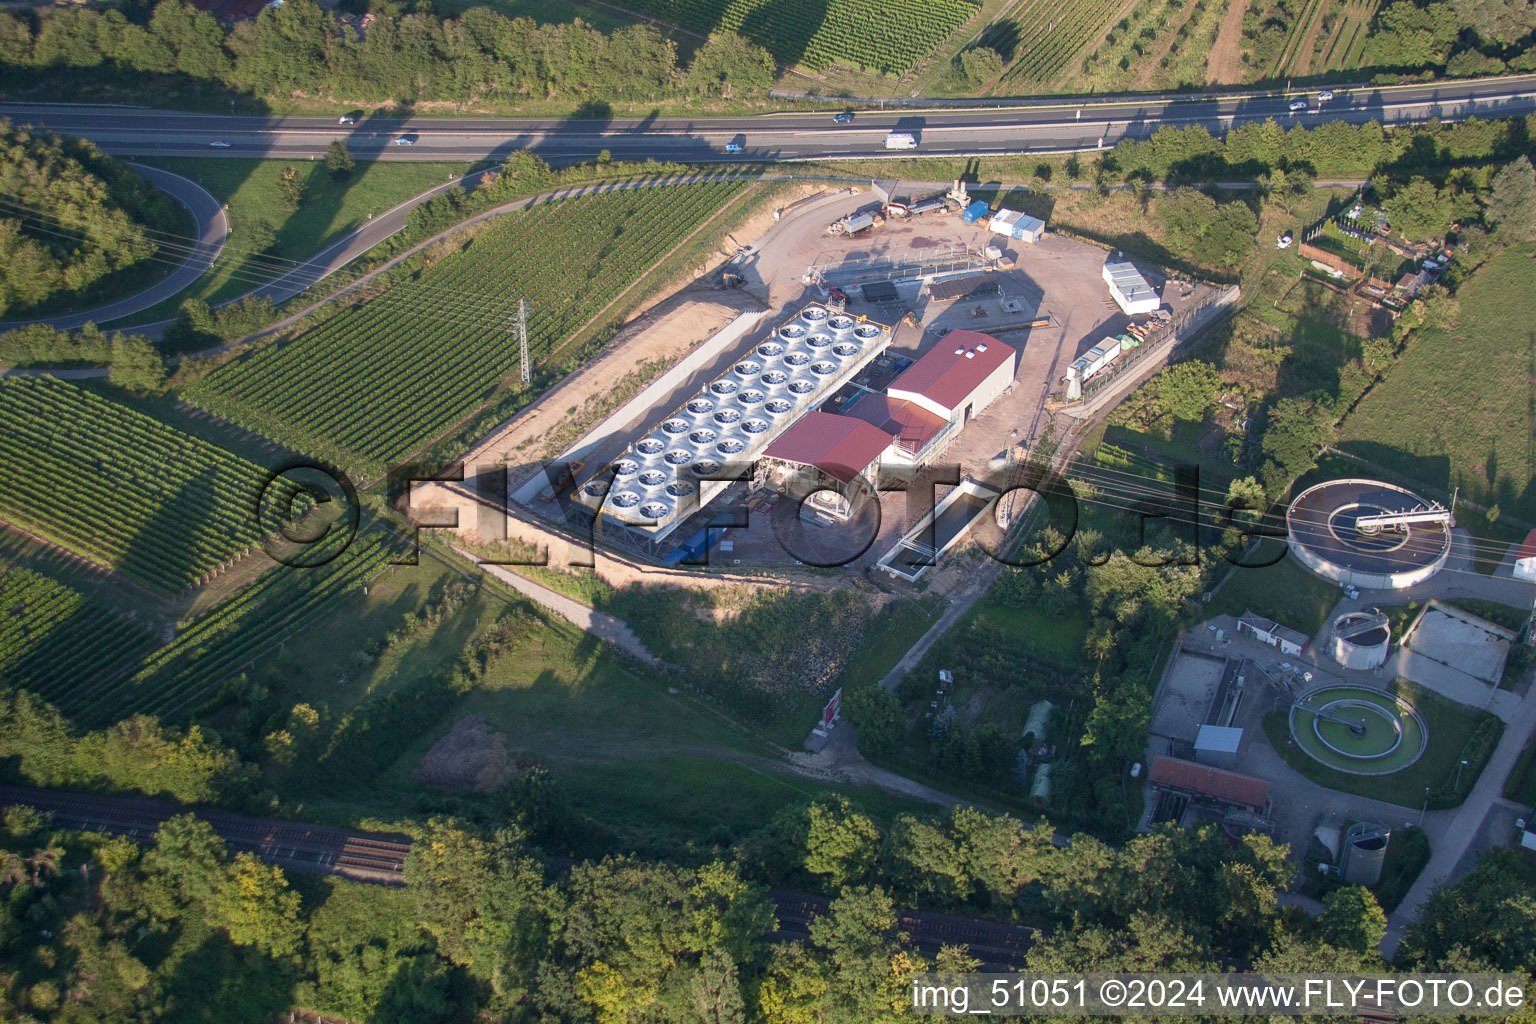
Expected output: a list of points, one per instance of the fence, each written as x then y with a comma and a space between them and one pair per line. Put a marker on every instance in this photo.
1184, 326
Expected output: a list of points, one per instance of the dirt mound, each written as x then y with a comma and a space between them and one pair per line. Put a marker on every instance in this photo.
471, 758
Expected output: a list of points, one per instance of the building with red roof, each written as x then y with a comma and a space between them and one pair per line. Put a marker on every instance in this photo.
835, 459
1525, 558
959, 377
1211, 784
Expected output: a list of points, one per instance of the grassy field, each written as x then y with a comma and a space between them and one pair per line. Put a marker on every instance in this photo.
1285, 592
1445, 415
331, 208
1453, 733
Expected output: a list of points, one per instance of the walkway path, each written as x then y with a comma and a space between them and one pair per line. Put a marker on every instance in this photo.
1465, 823
212, 231
600, 624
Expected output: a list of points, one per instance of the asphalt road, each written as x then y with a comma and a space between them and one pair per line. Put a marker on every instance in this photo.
212, 230
1041, 126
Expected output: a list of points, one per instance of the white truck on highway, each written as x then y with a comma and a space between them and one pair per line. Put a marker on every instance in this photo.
900, 140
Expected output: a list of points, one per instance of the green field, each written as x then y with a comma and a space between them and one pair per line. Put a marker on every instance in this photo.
379, 381
120, 489
884, 38
1446, 415
331, 208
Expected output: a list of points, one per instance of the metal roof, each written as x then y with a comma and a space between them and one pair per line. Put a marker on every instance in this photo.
840, 446
963, 287
953, 368
911, 424
1220, 738
1207, 780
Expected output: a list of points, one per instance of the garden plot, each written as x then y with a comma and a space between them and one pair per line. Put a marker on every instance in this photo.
1462, 641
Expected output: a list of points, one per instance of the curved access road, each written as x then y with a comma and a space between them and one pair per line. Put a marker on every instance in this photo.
1036, 126
212, 231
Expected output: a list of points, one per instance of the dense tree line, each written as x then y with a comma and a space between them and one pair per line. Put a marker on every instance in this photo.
69, 216
487, 927
41, 747
299, 48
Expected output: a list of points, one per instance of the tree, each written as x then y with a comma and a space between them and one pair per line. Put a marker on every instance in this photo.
728, 65
1512, 200
291, 186
1187, 389
338, 159
980, 64
877, 719
136, 364
485, 900
1352, 919
255, 905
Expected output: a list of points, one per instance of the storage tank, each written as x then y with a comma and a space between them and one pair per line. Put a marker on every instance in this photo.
1360, 640
1365, 853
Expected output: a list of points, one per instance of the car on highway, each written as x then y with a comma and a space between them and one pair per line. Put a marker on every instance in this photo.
844, 118
346, 119
736, 145
1298, 105
218, 144
1325, 96
405, 140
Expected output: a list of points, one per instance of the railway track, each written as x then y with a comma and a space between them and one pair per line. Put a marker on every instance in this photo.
379, 858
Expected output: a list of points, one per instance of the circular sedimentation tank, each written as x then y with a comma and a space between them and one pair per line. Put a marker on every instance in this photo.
1358, 730
1321, 525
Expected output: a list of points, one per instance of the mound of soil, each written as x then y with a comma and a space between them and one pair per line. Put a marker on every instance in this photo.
471, 758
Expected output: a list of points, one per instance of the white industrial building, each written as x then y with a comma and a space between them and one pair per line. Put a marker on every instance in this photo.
660, 480
1021, 226
1525, 558
1129, 289
1287, 640
933, 400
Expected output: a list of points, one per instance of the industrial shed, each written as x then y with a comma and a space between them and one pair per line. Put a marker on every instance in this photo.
1129, 289
1016, 225
970, 287
1210, 784
1287, 640
835, 460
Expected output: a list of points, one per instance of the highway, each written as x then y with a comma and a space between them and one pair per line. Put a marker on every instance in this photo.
1042, 126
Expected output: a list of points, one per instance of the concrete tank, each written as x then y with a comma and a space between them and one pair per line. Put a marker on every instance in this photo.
1360, 640
1365, 853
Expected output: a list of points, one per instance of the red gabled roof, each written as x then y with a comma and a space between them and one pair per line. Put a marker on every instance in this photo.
1193, 777
911, 424
840, 446
1527, 547
947, 376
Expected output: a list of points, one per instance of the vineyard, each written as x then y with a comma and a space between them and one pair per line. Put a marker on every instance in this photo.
119, 488
1051, 33
227, 637
55, 642
885, 38
375, 383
